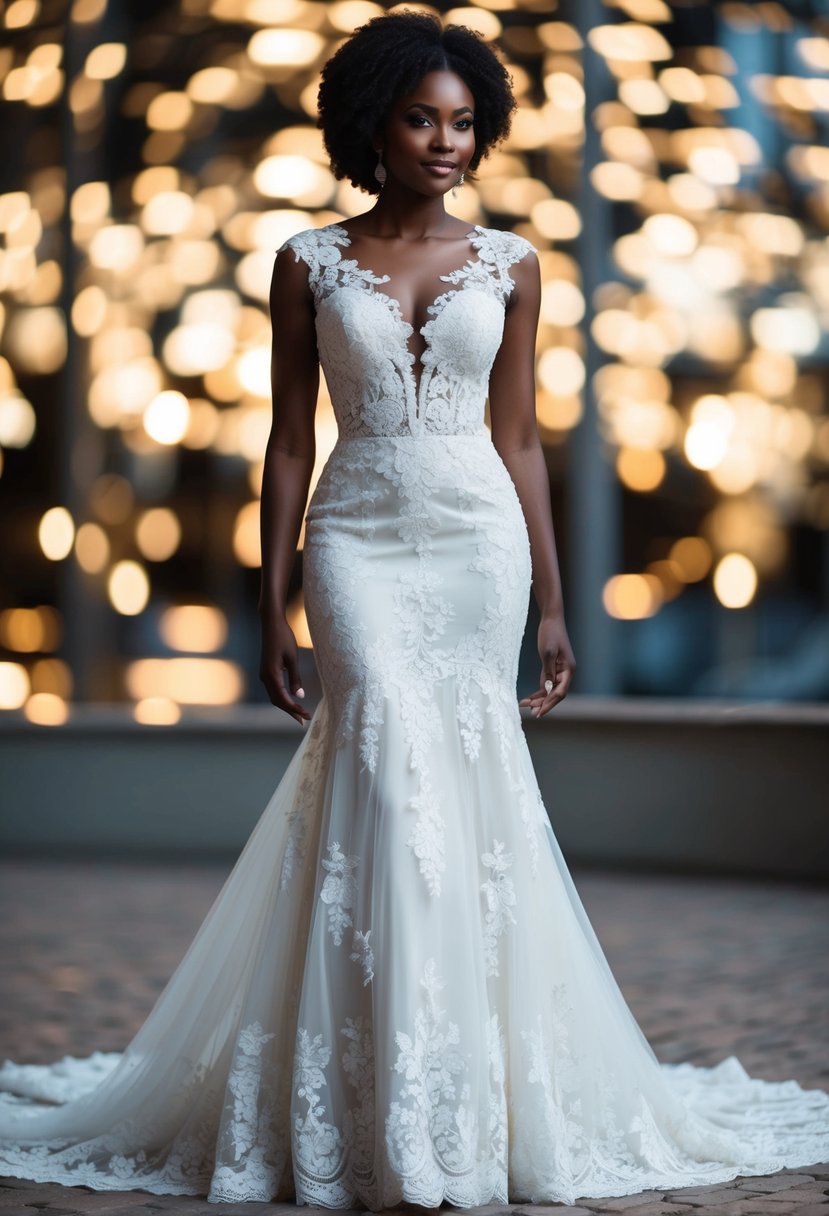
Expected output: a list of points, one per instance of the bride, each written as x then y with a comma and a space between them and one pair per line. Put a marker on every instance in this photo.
397, 994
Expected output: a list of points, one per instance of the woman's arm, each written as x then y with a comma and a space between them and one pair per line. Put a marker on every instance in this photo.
515, 437
289, 463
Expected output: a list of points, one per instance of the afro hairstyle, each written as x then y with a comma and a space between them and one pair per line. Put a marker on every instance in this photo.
385, 59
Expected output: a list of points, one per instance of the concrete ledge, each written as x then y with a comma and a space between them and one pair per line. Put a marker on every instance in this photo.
689, 786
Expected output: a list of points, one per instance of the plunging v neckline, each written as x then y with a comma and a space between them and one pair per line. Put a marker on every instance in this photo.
433, 310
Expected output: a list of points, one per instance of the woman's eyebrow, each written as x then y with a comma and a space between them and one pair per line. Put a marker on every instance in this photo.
434, 109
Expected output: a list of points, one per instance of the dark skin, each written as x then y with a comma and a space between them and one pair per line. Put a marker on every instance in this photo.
408, 235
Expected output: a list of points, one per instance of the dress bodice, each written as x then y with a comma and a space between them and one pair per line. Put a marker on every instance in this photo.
378, 386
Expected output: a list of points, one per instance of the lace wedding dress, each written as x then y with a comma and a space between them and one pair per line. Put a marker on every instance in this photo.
397, 992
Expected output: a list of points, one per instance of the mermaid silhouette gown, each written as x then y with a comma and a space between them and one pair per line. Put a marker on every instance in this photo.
397, 992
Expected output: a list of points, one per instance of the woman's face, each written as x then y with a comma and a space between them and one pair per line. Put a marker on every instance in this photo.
433, 123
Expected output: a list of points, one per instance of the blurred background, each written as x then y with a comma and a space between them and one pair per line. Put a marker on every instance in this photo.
670, 163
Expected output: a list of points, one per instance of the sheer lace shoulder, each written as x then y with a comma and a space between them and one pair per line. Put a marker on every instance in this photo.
317, 247
502, 250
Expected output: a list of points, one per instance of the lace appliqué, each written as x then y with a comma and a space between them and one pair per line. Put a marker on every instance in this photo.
307, 798
254, 1133
433, 1065
362, 953
316, 1140
338, 890
500, 897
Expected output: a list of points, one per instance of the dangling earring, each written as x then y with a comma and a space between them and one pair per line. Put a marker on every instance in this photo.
380, 169
459, 182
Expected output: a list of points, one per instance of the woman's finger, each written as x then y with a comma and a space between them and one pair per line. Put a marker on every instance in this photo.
285, 701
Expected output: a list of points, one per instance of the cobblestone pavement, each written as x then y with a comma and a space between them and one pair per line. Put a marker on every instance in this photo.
710, 968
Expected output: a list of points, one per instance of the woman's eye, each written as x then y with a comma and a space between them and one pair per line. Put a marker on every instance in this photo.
463, 122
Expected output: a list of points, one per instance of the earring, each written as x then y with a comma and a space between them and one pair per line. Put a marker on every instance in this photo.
380, 169
459, 182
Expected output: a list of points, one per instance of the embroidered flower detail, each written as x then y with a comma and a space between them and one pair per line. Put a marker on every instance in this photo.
431, 1108
338, 890
318, 1143
499, 893
362, 953
427, 837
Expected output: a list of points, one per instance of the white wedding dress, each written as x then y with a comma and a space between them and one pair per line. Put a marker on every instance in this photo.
397, 992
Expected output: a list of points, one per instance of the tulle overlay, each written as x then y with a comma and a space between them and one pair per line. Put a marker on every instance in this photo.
397, 993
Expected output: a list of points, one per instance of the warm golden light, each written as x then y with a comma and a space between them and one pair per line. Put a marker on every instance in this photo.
29, 630
640, 469
128, 587
692, 557
56, 533
187, 681
89, 311
285, 47
629, 42
706, 439
14, 685
156, 711
106, 60
53, 676
198, 628
167, 212
298, 622
20, 13
158, 534
793, 329
46, 709
169, 111
631, 597
735, 580
294, 177
167, 416
17, 420
562, 303
36, 340
116, 247
191, 350
212, 85
253, 370
561, 371
246, 540
92, 548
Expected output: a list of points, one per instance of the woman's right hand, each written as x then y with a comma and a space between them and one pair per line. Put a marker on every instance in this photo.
279, 654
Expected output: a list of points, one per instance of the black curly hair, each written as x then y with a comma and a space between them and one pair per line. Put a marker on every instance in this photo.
385, 59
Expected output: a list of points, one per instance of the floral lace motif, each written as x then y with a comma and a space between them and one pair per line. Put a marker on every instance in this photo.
362, 953
338, 890
499, 893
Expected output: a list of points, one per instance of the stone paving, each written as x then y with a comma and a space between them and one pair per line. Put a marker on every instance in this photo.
710, 967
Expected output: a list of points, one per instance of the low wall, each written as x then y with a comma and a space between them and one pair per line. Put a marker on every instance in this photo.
692, 786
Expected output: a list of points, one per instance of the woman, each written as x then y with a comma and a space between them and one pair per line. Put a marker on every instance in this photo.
397, 994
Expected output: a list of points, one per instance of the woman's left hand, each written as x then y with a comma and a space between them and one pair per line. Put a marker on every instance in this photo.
557, 666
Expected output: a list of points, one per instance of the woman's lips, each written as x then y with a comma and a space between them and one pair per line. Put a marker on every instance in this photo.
440, 170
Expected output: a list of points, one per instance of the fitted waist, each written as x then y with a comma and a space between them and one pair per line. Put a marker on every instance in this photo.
438, 437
